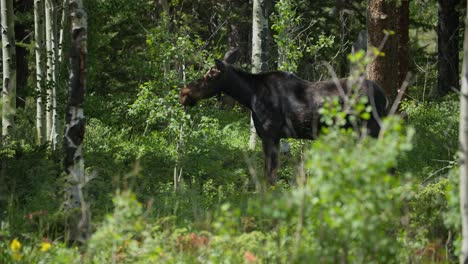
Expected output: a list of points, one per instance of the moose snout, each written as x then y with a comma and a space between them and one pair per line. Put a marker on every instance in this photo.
184, 97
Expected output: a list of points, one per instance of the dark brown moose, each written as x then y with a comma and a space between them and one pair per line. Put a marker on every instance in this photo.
282, 105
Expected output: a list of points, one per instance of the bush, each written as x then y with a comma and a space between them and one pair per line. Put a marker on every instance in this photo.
436, 143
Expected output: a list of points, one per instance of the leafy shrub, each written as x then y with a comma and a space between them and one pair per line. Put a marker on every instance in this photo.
349, 205
436, 143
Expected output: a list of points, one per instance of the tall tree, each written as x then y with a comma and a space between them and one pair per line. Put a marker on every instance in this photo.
344, 22
260, 36
23, 36
75, 124
237, 39
51, 48
40, 67
447, 48
403, 42
9, 67
63, 27
463, 138
381, 23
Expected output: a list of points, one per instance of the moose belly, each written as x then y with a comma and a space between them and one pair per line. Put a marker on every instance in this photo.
301, 125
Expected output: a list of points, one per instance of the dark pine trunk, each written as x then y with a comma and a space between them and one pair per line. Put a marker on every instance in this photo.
236, 39
22, 70
447, 30
382, 17
403, 42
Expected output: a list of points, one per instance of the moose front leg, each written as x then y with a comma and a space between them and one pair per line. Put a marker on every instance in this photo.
270, 150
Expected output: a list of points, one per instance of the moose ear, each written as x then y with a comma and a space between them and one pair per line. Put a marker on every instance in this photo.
232, 55
220, 65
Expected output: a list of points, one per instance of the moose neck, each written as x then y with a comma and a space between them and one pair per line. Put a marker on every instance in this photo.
239, 85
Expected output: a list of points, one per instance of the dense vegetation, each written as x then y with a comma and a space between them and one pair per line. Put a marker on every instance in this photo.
181, 185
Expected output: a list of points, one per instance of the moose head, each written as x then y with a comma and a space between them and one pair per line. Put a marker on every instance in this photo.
211, 83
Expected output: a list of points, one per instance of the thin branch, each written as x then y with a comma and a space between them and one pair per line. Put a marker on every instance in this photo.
401, 93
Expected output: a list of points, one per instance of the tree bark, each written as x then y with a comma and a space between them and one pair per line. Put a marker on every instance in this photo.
403, 42
40, 67
9, 68
234, 41
447, 48
344, 23
48, 110
381, 17
22, 69
463, 138
51, 42
75, 125
260, 36
63, 26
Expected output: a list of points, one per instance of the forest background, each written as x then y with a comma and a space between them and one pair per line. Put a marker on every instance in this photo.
165, 184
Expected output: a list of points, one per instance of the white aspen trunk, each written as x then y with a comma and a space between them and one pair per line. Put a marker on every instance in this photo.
51, 114
40, 67
253, 134
63, 26
9, 68
463, 137
75, 125
282, 52
177, 168
55, 68
48, 111
260, 31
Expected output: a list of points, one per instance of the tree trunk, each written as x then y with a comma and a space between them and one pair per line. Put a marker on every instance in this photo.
40, 67
22, 69
9, 68
63, 27
381, 23
75, 125
234, 41
463, 137
48, 110
344, 21
260, 35
447, 48
403, 42
51, 114
167, 26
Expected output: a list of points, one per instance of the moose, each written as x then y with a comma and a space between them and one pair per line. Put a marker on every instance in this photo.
282, 104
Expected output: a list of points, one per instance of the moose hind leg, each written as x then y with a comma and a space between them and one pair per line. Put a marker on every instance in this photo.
373, 128
270, 150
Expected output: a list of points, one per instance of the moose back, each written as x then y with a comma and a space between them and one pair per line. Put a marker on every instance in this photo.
282, 105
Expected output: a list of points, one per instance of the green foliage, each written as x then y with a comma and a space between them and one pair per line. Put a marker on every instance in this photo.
350, 204
344, 197
286, 23
437, 140
347, 208
434, 209
31, 187
119, 233
36, 251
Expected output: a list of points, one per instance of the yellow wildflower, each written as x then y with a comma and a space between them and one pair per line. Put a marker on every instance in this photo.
45, 246
15, 245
